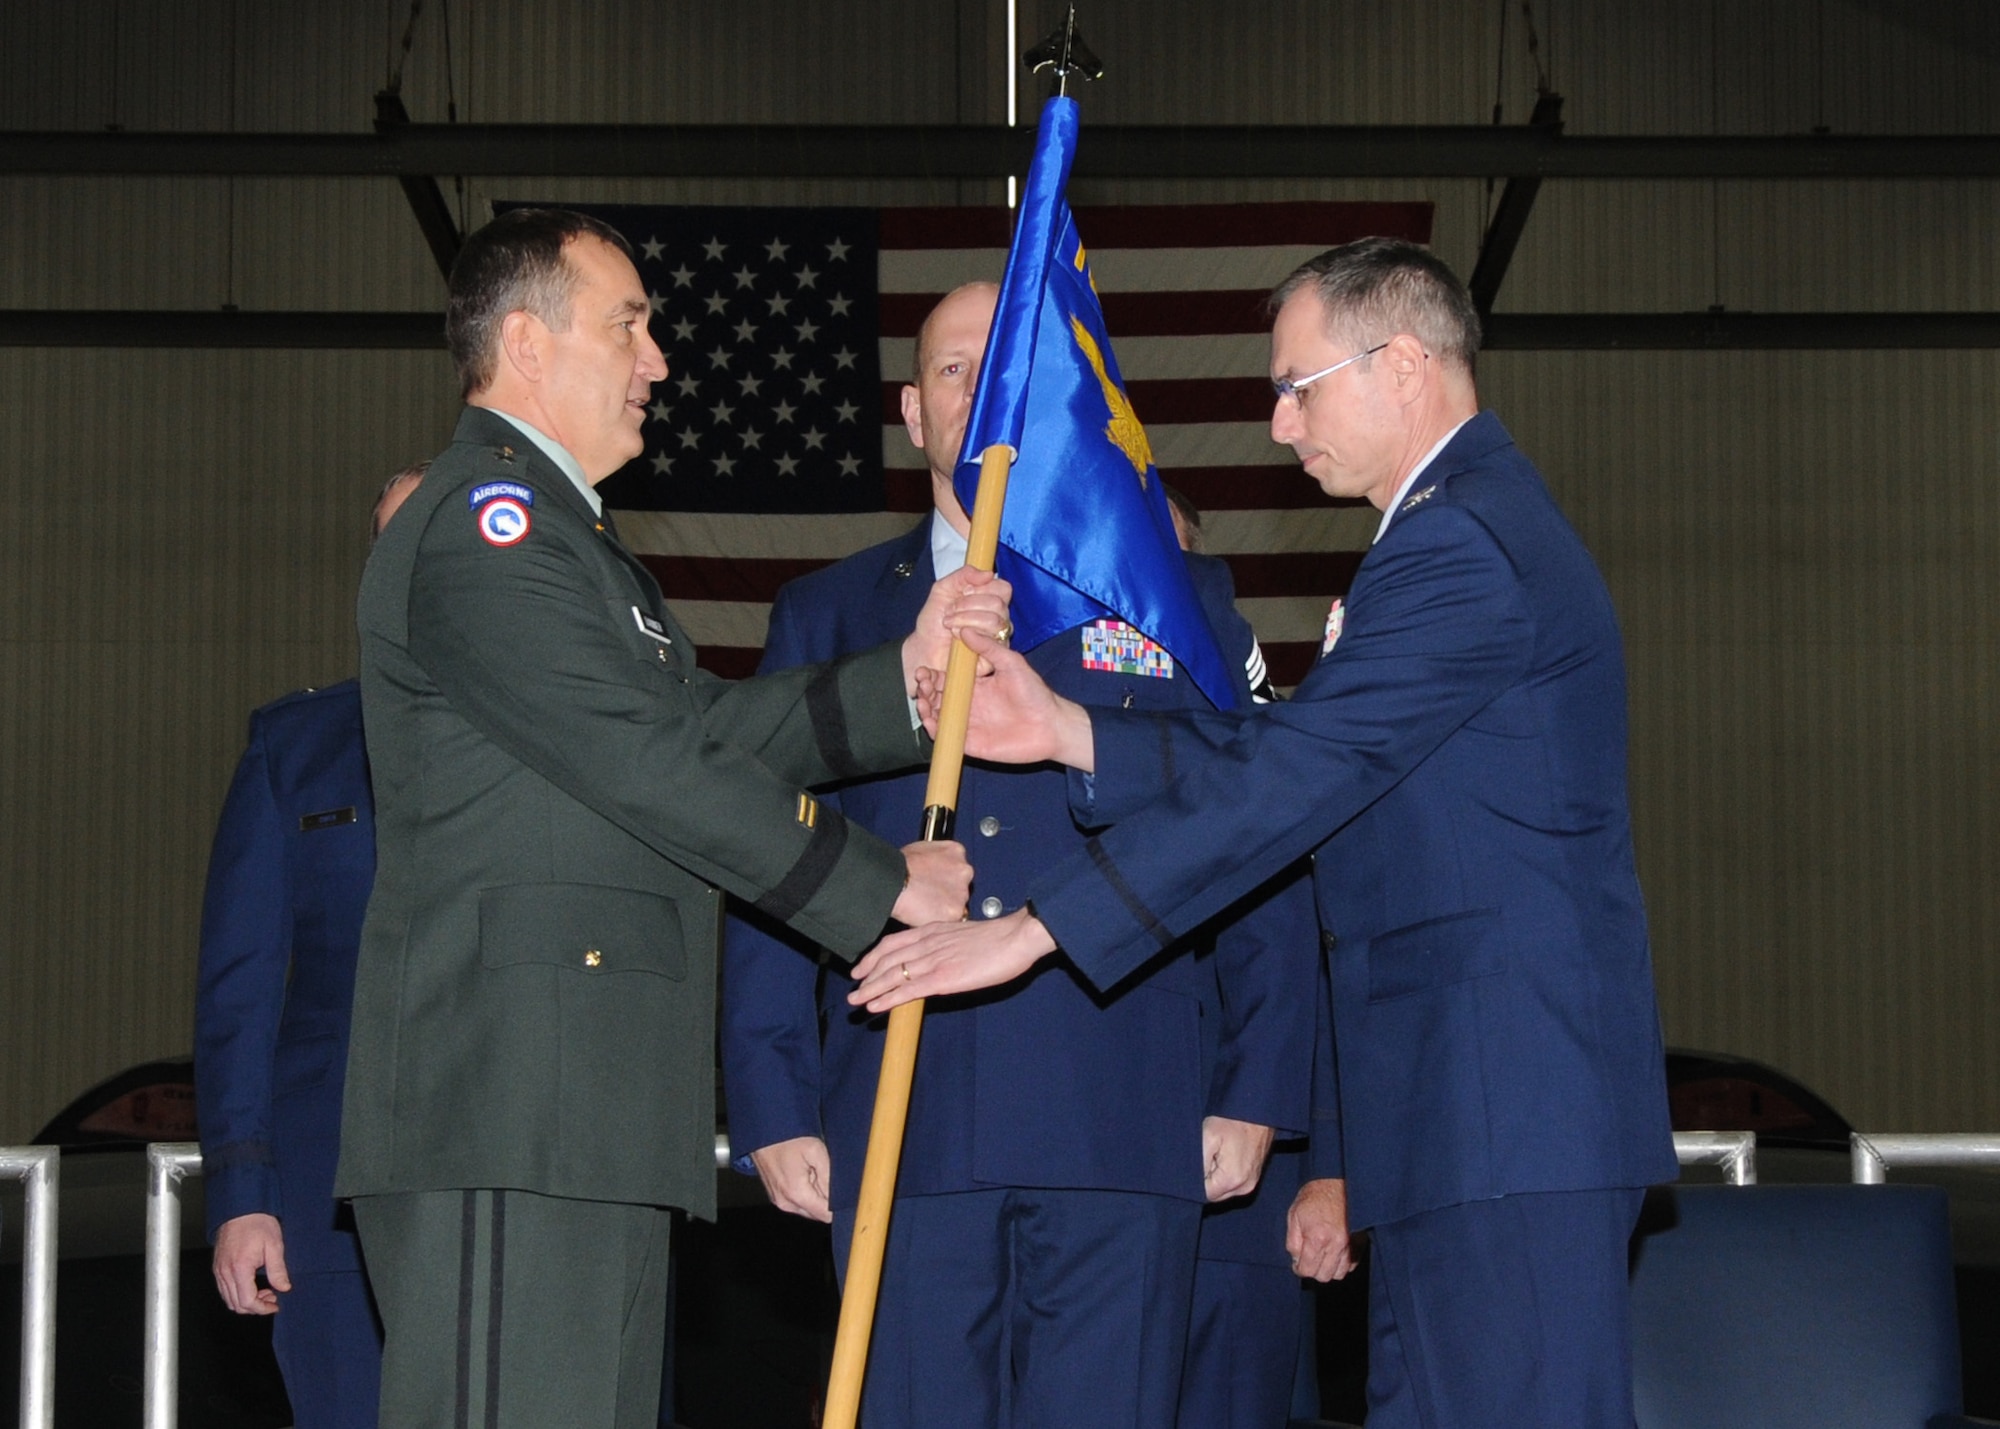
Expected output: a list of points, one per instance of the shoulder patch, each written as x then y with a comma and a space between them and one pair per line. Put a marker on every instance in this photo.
1336, 620
503, 521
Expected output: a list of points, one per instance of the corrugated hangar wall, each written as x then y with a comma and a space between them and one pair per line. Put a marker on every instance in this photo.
1803, 545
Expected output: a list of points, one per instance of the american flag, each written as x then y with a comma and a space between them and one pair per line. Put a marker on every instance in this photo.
776, 444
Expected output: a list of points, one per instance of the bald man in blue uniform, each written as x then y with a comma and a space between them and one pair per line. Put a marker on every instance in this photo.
1062, 1142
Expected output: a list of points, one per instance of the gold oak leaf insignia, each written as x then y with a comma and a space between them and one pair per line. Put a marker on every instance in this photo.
1124, 429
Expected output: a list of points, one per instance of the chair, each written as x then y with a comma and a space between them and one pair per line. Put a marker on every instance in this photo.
1770, 1307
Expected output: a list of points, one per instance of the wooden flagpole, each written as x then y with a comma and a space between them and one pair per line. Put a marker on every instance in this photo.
906, 1023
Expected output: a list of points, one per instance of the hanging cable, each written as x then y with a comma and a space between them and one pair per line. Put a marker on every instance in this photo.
1499, 103
402, 60
229, 208
450, 83
1715, 127
1535, 49
1819, 71
451, 104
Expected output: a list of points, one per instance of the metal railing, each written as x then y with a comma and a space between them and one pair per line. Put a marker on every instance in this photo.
38, 1168
1871, 1154
168, 1163
1734, 1151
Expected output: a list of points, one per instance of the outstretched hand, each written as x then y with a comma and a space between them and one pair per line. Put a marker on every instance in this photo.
1016, 718
949, 957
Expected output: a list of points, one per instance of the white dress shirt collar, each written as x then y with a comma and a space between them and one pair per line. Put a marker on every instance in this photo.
557, 453
947, 547
1389, 512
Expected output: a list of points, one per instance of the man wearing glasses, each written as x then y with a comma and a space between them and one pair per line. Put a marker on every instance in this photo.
1456, 763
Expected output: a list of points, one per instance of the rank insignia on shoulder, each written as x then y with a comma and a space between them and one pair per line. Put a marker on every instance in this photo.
1336, 620
326, 819
1119, 649
651, 626
486, 491
503, 521
1419, 498
808, 809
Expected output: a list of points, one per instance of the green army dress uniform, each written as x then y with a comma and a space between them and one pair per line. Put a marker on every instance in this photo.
561, 798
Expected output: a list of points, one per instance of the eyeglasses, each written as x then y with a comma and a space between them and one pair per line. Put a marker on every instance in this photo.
1291, 387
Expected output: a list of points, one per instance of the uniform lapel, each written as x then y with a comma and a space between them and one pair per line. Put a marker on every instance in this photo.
906, 581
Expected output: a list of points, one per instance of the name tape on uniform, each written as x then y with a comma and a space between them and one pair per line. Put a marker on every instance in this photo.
651, 627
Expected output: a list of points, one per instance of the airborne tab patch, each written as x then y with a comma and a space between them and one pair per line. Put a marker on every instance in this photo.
480, 495
1118, 649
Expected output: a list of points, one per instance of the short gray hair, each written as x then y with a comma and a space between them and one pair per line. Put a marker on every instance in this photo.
1374, 288
514, 264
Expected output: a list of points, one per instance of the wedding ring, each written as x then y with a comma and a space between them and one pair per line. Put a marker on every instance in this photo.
906, 972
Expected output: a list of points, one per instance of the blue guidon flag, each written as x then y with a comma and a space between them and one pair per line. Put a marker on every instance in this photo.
1086, 536
776, 445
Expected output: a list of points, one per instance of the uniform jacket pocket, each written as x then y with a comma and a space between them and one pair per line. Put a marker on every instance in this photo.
1435, 953
596, 931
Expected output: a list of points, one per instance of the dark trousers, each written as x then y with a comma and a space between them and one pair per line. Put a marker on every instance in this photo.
329, 1348
1029, 1309
508, 1310
1243, 1346
1510, 1313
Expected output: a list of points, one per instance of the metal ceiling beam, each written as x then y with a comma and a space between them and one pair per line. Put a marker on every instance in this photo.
1510, 217
1670, 332
426, 199
1505, 332
971, 151
207, 328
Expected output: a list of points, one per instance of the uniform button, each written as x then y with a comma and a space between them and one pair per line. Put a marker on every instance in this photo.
592, 958
989, 826
990, 908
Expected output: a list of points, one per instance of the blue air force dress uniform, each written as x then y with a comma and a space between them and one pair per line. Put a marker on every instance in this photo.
281, 926
1054, 1131
1501, 1084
